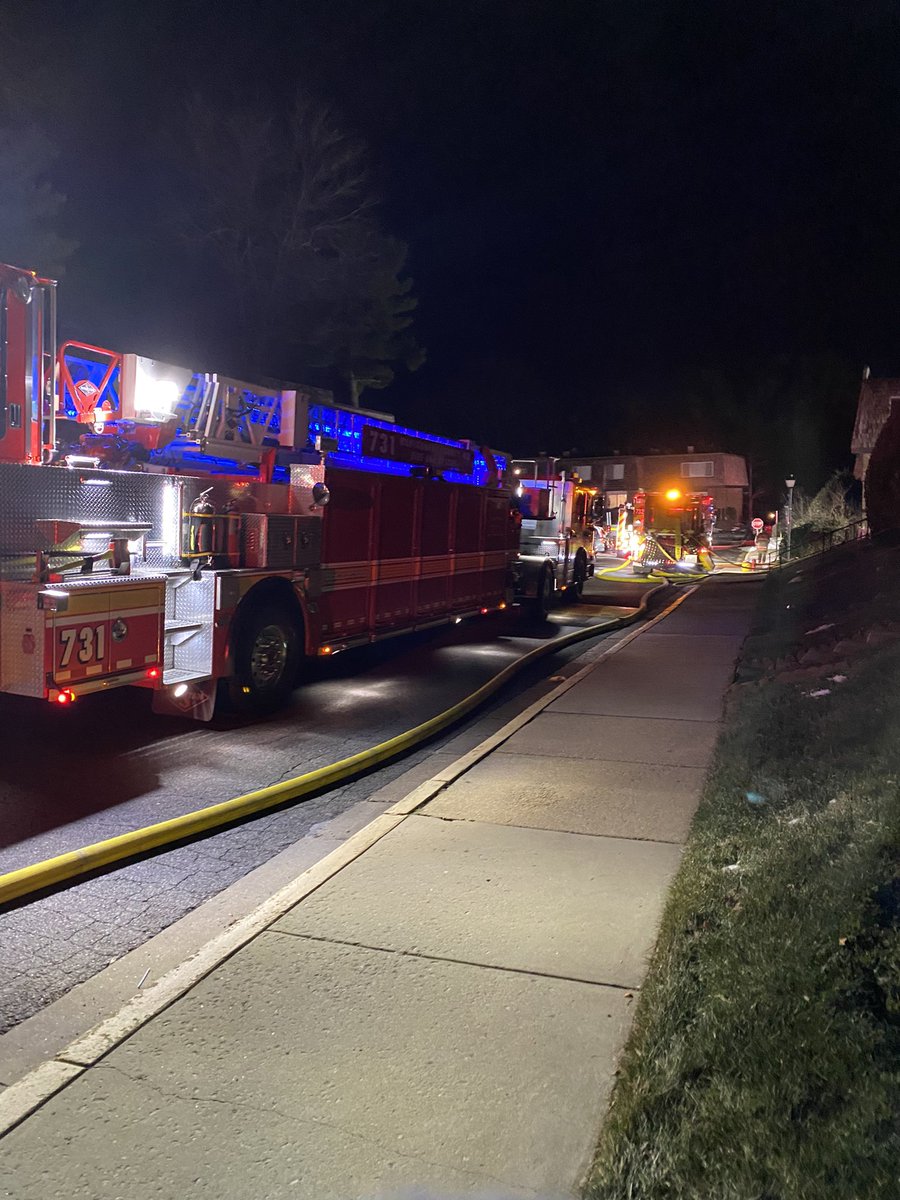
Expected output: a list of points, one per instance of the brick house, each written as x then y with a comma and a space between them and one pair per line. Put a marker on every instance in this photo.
872, 410
619, 476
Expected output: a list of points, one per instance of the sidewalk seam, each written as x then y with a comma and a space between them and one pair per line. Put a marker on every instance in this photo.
618, 837
460, 962
635, 716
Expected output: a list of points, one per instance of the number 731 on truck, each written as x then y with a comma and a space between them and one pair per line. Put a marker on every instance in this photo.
193, 534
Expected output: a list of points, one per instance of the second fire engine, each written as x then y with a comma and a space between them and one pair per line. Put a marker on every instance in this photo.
556, 545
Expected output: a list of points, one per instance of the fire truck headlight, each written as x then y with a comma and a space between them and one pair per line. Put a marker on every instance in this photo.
673, 494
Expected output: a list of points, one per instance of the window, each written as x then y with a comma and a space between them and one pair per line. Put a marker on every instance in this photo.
584, 472
615, 499
693, 470
614, 470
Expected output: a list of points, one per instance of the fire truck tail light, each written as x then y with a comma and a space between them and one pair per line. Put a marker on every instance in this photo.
153, 673
66, 697
484, 611
325, 650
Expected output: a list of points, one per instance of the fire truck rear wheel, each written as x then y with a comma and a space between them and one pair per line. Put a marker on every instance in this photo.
579, 574
266, 660
544, 599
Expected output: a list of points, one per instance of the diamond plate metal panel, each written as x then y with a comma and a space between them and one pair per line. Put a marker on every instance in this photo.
21, 640
190, 613
31, 493
280, 542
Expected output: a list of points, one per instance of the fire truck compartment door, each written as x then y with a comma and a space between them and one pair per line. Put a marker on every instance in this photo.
105, 628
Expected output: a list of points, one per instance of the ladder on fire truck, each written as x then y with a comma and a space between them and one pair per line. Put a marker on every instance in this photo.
229, 417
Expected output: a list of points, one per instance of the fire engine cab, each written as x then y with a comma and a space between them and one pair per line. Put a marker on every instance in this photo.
178, 530
556, 537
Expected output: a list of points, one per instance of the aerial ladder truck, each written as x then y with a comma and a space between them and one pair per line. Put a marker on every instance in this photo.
196, 535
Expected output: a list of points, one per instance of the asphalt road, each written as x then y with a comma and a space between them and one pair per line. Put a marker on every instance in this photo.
107, 765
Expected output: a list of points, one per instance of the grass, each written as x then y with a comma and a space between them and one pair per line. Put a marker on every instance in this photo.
764, 1063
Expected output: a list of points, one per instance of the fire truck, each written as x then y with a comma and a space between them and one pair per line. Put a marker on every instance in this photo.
670, 530
193, 534
556, 535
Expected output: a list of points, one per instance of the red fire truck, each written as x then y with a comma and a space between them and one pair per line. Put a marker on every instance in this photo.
671, 529
178, 531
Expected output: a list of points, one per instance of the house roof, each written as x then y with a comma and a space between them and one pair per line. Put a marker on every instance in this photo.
872, 410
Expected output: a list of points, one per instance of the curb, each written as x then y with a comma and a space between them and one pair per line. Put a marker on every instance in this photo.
20, 1099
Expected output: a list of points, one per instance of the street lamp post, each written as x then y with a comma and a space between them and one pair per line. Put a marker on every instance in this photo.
789, 515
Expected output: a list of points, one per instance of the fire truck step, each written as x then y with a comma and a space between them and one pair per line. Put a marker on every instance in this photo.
183, 627
174, 675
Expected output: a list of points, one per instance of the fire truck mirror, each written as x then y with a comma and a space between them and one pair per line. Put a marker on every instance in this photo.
320, 494
22, 290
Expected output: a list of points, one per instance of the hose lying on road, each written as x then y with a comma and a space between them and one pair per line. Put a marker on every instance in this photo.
679, 576
34, 878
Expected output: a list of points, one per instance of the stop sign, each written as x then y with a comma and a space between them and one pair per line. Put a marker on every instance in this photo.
756, 524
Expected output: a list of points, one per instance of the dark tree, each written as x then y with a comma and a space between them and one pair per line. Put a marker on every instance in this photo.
30, 204
789, 414
280, 214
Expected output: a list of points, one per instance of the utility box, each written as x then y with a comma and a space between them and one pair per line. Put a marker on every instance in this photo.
280, 542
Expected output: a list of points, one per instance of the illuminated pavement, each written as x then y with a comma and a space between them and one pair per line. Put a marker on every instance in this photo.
443, 1011
108, 765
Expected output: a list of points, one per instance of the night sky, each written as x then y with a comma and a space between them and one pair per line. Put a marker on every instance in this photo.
604, 202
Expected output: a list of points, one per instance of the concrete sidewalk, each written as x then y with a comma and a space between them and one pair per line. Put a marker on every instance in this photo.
442, 1013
